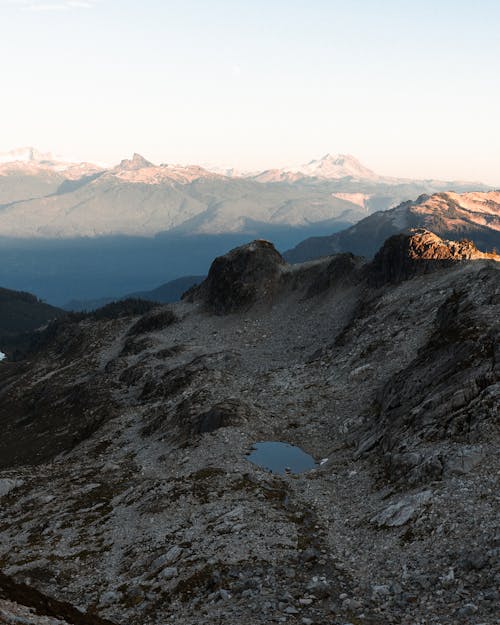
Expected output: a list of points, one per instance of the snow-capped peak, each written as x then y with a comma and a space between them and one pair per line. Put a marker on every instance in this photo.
335, 166
329, 167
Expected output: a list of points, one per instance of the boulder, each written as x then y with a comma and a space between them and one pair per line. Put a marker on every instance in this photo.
402, 511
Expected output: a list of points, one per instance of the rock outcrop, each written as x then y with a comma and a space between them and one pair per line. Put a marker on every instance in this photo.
237, 280
448, 392
21, 604
339, 270
136, 162
227, 413
403, 256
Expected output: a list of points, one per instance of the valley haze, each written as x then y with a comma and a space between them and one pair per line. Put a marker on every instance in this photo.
81, 231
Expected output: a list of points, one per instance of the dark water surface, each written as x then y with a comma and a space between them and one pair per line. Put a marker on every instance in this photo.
281, 457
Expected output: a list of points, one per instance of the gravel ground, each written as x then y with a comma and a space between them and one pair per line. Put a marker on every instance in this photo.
150, 520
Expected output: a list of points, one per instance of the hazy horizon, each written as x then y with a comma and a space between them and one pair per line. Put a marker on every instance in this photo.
217, 167
410, 90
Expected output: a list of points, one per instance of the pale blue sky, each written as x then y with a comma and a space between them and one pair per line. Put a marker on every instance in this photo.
412, 88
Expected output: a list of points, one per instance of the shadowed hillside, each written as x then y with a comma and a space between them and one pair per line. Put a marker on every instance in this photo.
22, 312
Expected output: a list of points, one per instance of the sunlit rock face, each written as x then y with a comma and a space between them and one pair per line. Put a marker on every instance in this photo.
474, 216
420, 251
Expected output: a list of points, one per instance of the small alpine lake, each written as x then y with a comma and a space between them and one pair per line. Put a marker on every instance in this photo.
281, 458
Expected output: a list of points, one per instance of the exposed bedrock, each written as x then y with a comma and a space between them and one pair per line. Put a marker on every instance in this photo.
449, 392
242, 277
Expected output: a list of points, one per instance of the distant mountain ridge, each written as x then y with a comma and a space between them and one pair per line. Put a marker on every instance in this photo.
474, 216
44, 197
78, 231
163, 294
329, 167
30, 161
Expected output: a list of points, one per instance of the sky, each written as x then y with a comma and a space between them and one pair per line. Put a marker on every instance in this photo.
411, 88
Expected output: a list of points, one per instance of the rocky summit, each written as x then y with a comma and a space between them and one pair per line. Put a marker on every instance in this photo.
473, 216
126, 493
420, 251
241, 278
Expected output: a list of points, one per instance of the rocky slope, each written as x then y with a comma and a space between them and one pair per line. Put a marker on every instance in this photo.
474, 216
386, 371
21, 604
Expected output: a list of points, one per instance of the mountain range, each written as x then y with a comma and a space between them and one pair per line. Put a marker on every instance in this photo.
474, 216
166, 293
329, 167
44, 197
83, 231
